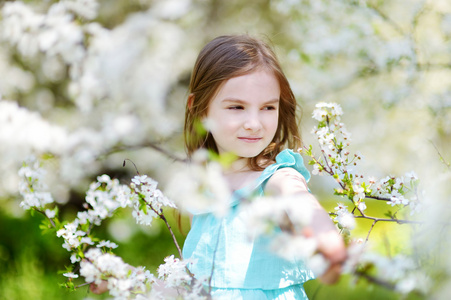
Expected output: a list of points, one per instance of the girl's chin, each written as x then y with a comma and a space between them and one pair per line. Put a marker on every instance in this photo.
247, 154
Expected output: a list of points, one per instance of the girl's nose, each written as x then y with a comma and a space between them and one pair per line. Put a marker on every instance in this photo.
252, 123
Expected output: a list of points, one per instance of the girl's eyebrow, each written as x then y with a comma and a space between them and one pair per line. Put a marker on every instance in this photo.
236, 100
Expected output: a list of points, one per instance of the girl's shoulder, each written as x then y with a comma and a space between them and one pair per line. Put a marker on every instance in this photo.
286, 181
287, 175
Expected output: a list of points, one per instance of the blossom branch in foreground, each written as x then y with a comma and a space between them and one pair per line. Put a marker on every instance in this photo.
151, 197
335, 160
92, 257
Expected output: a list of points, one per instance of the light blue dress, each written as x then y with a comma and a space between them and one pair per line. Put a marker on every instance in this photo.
244, 267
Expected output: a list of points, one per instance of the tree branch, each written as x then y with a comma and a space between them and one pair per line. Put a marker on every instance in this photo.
378, 198
375, 280
369, 231
51, 221
388, 220
386, 18
152, 145
161, 215
447, 164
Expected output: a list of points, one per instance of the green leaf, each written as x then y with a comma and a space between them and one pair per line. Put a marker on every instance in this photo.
199, 128
308, 151
80, 253
305, 57
57, 222
142, 204
46, 226
46, 156
226, 159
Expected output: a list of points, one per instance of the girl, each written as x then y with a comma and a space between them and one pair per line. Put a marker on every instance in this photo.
238, 88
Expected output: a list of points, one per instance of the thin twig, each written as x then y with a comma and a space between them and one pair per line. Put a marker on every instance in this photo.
165, 152
82, 285
161, 215
377, 198
136, 168
387, 19
447, 164
388, 220
433, 66
375, 280
369, 231
331, 173
324, 154
51, 221
416, 51
148, 144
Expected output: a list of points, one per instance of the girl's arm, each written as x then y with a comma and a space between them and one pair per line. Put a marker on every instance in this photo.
289, 182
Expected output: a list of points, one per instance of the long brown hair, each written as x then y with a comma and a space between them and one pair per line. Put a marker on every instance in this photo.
230, 56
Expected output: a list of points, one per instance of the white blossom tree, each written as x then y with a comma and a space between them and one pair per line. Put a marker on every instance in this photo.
87, 84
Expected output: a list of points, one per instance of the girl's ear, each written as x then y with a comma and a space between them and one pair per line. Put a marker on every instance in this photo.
190, 101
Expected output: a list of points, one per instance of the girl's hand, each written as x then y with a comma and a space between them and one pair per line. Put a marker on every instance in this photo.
288, 182
99, 288
332, 274
331, 245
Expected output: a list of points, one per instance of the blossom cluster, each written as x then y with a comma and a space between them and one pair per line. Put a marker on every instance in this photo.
287, 224
103, 198
33, 189
345, 218
178, 282
336, 161
200, 187
54, 33
148, 200
57, 53
123, 280
265, 213
400, 271
174, 272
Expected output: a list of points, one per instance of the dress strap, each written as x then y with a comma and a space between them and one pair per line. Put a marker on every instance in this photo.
285, 159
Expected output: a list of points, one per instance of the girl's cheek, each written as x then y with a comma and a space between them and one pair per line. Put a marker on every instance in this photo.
233, 119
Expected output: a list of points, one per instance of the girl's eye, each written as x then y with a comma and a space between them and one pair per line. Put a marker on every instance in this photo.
269, 108
235, 107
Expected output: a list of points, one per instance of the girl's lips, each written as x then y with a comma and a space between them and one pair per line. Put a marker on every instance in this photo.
250, 139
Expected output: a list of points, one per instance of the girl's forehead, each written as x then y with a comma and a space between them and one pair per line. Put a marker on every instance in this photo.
259, 84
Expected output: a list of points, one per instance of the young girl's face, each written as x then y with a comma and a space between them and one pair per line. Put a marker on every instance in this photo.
244, 114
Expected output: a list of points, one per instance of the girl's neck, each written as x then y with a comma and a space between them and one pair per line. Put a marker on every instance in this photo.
238, 175
241, 165
238, 166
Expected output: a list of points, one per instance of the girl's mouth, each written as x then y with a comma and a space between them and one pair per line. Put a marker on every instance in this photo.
250, 139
